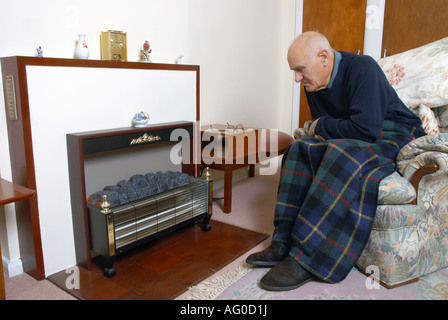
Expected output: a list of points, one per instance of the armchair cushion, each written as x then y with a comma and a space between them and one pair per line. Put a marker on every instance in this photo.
420, 76
429, 120
442, 115
394, 189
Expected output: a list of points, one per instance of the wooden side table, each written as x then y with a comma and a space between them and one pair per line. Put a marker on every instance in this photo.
231, 149
10, 192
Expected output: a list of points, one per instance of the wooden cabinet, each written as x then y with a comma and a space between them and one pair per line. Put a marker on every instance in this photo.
342, 22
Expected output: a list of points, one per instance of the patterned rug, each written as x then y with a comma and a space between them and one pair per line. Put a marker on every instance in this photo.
242, 284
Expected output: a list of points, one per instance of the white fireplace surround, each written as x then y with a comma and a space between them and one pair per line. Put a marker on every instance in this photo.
76, 99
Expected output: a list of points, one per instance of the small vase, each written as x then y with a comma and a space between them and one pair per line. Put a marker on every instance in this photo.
140, 123
82, 51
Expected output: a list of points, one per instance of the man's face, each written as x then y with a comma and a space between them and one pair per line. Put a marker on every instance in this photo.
309, 70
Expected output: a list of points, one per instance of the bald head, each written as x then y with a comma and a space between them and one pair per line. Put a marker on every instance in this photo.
311, 58
313, 42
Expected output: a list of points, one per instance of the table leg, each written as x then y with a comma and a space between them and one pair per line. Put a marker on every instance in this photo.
251, 170
228, 169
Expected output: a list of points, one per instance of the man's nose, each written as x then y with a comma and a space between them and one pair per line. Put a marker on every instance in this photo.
299, 76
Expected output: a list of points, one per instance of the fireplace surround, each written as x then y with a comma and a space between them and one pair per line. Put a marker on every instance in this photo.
46, 88
96, 227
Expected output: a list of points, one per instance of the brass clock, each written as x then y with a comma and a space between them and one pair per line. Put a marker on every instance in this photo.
113, 45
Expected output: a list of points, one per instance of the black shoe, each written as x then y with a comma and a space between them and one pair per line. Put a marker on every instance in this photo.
287, 275
269, 257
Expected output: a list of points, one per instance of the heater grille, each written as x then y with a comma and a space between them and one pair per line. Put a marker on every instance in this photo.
146, 217
116, 229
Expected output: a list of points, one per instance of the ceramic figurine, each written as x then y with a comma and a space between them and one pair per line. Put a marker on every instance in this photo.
179, 59
144, 56
40, 52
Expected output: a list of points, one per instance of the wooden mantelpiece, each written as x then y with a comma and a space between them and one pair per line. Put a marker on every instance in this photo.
23, 61
25, 139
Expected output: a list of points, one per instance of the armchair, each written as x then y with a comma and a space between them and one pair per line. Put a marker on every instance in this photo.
409, 237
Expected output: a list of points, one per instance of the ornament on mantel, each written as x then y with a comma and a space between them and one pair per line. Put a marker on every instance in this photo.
40, 52
140, 119
144, 56
82, 50
179, 60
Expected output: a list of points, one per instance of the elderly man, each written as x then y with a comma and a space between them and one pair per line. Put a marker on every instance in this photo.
329, 181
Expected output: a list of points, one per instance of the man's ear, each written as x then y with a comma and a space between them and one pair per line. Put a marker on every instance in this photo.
324, 56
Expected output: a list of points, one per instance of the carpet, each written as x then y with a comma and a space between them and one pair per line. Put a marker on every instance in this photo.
242, 284
253, 209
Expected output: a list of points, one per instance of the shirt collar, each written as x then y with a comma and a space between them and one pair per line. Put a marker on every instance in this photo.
337, 59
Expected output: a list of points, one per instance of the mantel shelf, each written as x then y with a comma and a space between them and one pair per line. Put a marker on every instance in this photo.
63, 62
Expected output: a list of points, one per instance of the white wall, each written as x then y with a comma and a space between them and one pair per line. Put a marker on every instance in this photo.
241, 46
54, 25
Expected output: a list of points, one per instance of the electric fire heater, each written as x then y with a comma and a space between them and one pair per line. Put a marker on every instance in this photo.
143, 208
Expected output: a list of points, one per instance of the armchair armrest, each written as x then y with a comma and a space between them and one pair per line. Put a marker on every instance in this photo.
418, 175
425, 155
424, 162
416, 152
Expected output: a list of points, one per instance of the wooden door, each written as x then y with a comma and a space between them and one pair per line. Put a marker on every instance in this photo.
409, 24
342, 22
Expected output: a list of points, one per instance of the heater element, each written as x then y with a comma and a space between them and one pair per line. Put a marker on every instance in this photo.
127, 225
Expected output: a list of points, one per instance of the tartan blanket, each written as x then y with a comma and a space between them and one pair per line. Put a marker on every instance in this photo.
327, 198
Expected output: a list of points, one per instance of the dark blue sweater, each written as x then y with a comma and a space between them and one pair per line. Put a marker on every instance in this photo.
358, 101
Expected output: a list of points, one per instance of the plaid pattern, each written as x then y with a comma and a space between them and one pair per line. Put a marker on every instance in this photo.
327, 198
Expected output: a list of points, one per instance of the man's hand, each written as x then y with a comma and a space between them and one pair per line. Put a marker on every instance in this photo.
312, 133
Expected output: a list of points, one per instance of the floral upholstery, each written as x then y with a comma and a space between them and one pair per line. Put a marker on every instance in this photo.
410, 240
442, 116
394, 189
420, 76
